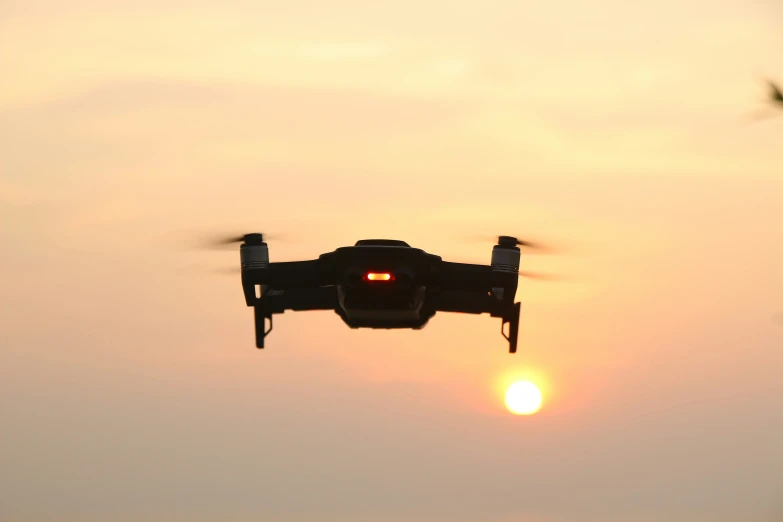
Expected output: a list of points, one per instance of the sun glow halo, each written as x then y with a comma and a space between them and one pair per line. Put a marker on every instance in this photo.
523, 398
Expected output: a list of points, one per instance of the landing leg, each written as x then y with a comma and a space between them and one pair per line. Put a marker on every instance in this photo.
513, 330
261, 331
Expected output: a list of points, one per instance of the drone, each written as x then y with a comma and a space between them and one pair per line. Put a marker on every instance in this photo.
381, 284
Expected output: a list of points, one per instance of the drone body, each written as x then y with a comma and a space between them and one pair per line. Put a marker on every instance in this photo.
381, 283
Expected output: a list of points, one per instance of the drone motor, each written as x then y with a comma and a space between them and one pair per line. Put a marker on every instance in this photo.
254, 253
505, 258
506, 255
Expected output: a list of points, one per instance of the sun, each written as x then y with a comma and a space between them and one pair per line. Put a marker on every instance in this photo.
523, 398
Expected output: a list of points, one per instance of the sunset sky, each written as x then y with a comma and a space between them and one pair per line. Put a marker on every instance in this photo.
130, 387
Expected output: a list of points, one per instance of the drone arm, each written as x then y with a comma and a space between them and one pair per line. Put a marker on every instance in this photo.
470, 277
477, 302
289, 274
512, 318
299, 299
285, 276
463, 276
274, 302
467, 302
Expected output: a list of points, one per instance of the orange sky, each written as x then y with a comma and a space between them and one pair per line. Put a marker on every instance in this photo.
130, 389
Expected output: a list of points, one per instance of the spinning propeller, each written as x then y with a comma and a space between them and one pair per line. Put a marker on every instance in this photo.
533, 245
538, 276
221, 242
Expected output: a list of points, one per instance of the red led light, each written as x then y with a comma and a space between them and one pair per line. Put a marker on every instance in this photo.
376, 276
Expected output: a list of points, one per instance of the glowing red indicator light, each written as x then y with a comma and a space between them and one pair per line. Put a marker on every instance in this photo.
375, 276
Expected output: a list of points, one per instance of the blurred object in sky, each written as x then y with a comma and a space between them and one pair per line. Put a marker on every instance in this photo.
775, 94
775, 97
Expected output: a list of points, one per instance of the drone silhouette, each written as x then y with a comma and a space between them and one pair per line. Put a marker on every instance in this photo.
382, 284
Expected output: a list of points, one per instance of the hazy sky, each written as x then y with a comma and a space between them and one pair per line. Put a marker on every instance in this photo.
130, 388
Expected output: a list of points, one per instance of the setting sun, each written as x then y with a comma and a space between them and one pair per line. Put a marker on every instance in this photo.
523, 398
